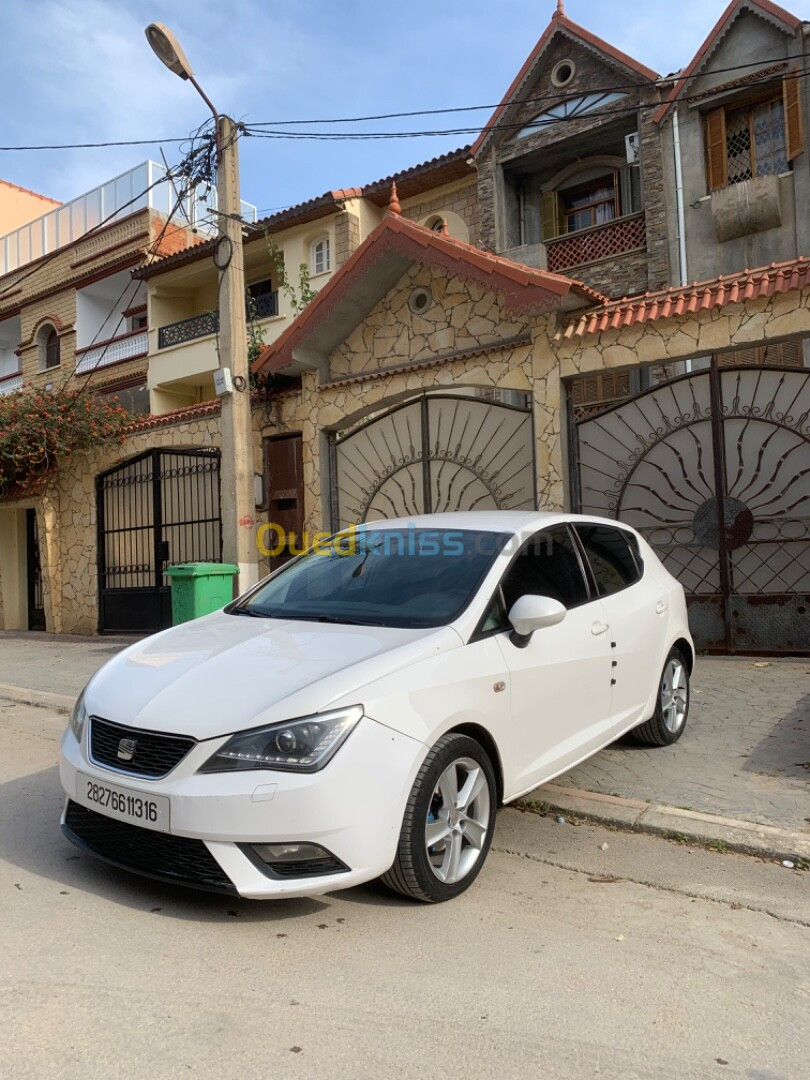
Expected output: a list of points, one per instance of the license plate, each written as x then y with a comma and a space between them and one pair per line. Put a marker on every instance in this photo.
136, 807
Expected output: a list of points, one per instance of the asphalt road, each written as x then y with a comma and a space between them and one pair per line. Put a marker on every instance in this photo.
692, 964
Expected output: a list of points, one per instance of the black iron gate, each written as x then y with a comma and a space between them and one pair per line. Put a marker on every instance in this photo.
714, 469
159, 508
36, 600
435, 453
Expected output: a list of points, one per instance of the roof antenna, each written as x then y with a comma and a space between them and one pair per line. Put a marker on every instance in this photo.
393, 201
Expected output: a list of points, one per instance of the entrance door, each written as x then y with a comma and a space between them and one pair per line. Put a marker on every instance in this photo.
437, 453
158, 509
36, 602
712, 468
285, 504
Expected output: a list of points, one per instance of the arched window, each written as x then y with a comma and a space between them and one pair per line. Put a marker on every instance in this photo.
50, 351
319, 256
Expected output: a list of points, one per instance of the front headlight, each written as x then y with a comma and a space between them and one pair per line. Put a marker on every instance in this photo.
303, 745
78, 717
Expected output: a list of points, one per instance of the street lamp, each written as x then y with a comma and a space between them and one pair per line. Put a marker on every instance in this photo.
236, 478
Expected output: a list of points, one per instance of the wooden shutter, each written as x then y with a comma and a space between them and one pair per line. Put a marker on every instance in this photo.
550, 216
716, 160
794, 127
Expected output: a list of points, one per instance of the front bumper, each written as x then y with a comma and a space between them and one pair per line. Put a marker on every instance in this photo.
353, 808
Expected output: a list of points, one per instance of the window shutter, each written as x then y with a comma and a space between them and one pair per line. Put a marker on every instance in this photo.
550, 216
716, 161
794, 128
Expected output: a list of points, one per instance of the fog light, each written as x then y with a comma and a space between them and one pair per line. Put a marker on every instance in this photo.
289, 853
293, 860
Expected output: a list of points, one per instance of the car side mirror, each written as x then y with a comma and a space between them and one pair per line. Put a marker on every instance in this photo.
530, 613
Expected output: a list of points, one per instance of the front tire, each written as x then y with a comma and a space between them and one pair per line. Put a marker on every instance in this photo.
447, 828
666, 724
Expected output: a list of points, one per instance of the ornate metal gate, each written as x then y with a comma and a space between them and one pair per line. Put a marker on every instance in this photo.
36, 601
714, 468
435, 453
159, 508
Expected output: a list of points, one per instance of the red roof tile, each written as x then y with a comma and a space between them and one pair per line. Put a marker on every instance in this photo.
523, 287
687, 299
559, 21
716, 32
189, 412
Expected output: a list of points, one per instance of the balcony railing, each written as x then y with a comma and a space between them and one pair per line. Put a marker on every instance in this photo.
10, 383
601, 242
125, 347
177, 333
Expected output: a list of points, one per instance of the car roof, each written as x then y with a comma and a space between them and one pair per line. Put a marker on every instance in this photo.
517, 522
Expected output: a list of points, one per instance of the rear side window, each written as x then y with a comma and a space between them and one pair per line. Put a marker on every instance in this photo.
613, 562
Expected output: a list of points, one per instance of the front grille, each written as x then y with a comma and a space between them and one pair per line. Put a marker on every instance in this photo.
154, 754
176, 859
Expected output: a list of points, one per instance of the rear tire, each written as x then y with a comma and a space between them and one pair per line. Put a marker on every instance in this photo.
667, 723
447, 827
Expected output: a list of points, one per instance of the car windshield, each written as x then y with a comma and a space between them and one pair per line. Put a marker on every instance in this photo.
380, 577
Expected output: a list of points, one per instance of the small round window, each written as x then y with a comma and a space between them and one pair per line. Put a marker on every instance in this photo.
419, 301
563, 73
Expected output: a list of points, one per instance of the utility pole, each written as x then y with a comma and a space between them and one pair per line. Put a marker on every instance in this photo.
236, 472
236, 475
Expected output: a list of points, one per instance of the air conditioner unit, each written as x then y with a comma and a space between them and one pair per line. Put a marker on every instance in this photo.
633, 146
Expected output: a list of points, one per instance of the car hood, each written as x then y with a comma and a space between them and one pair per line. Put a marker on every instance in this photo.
225, 673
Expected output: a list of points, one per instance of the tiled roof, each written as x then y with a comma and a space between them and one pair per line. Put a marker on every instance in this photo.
524, 287
443, 169
190, 412
687, 299
28, 191
717, 31
559, 21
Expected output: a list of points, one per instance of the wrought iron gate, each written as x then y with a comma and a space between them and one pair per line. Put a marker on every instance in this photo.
159, 508
36, 599
436, 453
714, 469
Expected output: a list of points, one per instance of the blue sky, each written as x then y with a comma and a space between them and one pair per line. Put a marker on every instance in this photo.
80, 70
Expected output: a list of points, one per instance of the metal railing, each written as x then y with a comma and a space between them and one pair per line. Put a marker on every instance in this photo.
264, 306
10, 383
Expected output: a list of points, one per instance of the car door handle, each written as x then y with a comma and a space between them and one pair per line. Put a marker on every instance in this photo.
599, 628
660, 607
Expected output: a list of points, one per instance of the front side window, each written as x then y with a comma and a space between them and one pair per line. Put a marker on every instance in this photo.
320, 261
612, 561
548, 565
381, 577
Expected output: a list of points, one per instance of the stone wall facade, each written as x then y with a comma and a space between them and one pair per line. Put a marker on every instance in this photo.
462, 201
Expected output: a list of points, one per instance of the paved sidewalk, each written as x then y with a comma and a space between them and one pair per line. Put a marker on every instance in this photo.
740, 773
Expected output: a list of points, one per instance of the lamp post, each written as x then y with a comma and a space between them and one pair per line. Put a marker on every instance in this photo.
236, 476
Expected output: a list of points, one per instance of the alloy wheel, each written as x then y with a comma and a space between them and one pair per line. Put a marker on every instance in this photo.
674, 695
457, 820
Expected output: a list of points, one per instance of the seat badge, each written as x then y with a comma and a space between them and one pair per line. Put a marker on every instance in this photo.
126, 749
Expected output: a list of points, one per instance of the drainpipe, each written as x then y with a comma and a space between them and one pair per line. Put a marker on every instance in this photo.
682, 268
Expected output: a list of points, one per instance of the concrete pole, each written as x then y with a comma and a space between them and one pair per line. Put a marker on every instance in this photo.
236, 477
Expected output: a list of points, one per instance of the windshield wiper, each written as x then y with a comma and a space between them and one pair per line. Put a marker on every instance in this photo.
252, 612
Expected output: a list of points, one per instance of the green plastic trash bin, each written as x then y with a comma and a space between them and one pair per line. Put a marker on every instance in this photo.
200, 588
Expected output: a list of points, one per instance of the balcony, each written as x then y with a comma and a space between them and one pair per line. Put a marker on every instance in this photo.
264, 306
9, 384
104, 353
618, 237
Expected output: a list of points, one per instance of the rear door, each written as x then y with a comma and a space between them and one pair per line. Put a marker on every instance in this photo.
560, 681
635, 612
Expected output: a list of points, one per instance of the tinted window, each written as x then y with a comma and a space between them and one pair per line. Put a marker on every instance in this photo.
611, 557
381, 577
548, 566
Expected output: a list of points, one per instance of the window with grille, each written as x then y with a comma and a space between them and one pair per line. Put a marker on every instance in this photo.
760, 138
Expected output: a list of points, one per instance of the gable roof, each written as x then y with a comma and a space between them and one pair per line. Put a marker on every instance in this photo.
735, 8
381, 260
559, 21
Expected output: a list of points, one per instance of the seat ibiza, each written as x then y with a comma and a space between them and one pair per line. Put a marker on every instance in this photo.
363, 711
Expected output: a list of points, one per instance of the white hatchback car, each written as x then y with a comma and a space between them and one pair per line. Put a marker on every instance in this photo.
363, 711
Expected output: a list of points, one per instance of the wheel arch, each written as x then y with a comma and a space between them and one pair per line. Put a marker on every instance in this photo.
485, 739
688, 652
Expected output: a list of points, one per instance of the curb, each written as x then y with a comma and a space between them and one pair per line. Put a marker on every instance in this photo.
746, 837
23, 695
